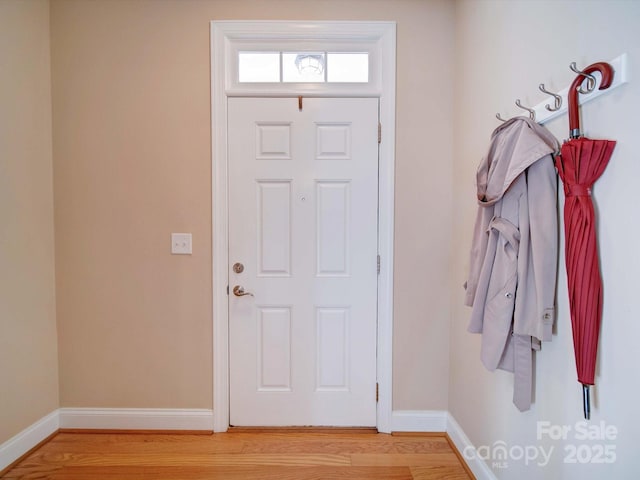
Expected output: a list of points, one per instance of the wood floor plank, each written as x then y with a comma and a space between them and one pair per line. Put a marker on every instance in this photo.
169, 460
233, 473
342, 446
404, 460
456, 472
90, 443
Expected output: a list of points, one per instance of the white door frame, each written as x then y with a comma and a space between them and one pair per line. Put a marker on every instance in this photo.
381, 37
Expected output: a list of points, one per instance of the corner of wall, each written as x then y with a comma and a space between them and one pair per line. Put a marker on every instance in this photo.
28, 345
28, 439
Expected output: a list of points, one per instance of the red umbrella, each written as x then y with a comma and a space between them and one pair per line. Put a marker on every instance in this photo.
580, 164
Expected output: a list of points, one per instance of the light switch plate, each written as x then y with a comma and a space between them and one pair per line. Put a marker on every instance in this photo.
181, 243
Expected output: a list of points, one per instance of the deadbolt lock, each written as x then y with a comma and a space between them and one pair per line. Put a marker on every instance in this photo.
238, 267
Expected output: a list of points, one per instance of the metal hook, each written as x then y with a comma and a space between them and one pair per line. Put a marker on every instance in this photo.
591, 82
500, 118
556, 98
532, 112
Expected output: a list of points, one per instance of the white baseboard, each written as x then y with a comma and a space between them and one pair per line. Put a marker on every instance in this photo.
18, 445
419, 421
136, 418
462, 443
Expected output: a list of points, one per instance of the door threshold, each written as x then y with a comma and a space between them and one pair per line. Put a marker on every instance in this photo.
309, 429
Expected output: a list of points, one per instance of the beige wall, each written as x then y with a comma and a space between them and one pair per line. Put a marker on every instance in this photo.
131, 108
504, 50
28, 345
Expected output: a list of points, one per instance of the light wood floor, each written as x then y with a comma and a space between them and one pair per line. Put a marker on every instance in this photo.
241, 456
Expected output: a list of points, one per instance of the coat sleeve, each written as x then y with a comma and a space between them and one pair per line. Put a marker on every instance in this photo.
538, 260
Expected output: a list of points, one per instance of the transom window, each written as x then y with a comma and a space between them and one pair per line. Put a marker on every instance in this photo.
303, 67
304, 59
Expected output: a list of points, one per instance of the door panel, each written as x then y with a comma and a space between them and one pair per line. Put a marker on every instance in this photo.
303, 222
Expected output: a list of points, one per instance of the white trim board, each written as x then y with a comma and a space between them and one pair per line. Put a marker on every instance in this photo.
223, 34
136, 418
419, 421
19, 444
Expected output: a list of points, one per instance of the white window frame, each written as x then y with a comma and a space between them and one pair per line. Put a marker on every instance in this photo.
227, 39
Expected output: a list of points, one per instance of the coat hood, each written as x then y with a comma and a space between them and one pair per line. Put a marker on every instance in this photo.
515, 145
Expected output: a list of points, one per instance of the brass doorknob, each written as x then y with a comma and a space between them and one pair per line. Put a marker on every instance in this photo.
238, 291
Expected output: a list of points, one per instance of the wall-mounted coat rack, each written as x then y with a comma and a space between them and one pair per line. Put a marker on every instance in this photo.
557, 104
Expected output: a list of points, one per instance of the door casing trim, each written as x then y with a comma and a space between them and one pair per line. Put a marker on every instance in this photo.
223, 34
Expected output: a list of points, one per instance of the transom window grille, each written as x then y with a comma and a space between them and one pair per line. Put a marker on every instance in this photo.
303, 67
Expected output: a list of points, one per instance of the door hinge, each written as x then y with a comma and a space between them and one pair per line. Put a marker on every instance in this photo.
377, 392
379, 132
378, 265
227, 289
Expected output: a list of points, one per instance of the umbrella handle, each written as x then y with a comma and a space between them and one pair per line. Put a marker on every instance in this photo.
606, 71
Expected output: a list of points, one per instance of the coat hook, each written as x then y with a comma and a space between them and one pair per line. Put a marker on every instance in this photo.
532, 112
500, 118
591, 83
556, 98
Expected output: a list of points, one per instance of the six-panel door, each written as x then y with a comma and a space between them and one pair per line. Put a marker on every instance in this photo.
303, 223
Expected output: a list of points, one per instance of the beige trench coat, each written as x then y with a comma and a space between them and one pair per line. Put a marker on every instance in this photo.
514, 255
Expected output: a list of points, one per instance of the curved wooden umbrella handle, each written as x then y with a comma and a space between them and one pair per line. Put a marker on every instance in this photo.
606, 71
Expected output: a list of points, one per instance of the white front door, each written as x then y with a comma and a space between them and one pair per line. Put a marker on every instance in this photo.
303, 207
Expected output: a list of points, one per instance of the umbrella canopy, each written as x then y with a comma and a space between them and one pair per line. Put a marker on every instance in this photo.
580, 164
